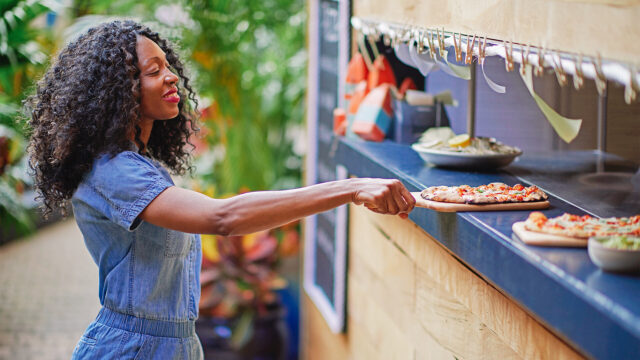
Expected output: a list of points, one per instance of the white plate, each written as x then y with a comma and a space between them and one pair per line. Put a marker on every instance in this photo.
463, 160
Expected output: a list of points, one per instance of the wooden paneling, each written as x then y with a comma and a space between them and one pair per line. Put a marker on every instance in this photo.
525, 335
318, 342
587, 27
409, 298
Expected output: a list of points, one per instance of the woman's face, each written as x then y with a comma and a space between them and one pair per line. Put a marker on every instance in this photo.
158, 90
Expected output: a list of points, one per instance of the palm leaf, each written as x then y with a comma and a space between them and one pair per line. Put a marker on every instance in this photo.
16, 40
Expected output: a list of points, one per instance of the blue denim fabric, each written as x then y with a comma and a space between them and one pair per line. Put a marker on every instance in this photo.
149, 277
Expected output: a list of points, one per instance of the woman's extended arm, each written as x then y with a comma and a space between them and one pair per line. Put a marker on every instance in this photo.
189, 211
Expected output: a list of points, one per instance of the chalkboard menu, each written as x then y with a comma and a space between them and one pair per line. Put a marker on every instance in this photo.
325, 237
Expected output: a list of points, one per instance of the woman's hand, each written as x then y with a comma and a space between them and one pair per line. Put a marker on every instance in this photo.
384, 196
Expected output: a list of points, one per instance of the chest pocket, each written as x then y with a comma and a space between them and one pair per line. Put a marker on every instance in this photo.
177, 244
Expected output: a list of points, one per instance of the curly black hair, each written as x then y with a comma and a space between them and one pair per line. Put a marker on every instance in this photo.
87, 104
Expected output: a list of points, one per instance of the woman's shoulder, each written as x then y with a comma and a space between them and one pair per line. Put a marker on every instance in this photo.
124, 172
118, 187
123, 166
124, 159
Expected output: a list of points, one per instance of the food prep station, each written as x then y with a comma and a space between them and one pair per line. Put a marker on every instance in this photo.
461, 283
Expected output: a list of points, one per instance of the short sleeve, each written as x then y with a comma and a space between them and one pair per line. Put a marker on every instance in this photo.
120, 187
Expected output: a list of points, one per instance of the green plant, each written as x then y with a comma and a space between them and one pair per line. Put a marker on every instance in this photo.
21, 58
250, 62
21, 51
14, 215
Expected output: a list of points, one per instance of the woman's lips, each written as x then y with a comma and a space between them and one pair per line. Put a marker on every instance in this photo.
173, 98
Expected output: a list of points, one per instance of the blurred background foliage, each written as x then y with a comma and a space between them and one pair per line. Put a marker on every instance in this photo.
247, 63
23, 56
247, 60
251, 60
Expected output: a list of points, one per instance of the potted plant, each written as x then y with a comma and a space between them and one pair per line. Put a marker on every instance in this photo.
240, 311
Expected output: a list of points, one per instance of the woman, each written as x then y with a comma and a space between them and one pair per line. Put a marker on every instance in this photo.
106, 115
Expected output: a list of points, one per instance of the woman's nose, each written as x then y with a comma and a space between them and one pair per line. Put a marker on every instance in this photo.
171, 78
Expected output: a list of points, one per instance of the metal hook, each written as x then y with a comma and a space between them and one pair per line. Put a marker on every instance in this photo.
420, 48
375, 34
559, 70
371, 39
404, 36
601, 80
539, 68
578, 78
441, 48
468, 59
432, 49
394, 39
457, 45
524, 57
386, 39
482, 45
362, 47
630, 92
416, 39
508, 52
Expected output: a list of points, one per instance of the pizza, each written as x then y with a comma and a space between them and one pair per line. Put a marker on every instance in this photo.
583, 226
494, 193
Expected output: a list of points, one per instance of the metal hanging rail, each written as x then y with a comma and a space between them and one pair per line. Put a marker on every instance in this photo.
562, 63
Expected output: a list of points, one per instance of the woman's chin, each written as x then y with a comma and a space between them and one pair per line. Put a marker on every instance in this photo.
169, 117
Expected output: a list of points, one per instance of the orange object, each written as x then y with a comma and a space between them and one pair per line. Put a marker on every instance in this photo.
339, 121
357, 97
357, 70
381, 73
368, 131
407, 84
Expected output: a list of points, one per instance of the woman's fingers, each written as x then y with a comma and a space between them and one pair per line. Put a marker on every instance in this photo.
408, 198
405, 205
386, 197
374, 209
392, 201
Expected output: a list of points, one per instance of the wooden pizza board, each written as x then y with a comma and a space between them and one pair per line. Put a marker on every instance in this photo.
542, 239
452, 207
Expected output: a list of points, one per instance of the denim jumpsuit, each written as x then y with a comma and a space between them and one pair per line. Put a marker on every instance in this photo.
149, 277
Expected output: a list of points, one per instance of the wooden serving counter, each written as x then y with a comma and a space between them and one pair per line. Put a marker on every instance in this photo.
410, 298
